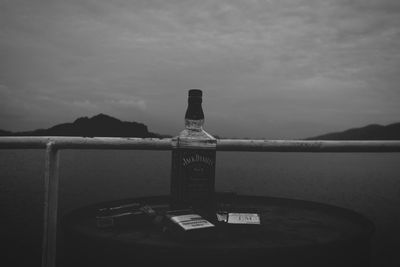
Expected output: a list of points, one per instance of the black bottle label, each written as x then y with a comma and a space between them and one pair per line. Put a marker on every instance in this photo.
193, 177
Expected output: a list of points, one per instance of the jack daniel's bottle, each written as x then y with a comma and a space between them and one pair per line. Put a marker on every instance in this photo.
193, 160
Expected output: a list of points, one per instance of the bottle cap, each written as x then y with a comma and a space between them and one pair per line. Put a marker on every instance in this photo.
195, 93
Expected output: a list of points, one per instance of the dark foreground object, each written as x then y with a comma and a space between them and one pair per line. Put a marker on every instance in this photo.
292, 233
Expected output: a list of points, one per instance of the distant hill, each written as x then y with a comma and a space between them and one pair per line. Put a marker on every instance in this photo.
3, 133
100, 125
103, 125
370, 132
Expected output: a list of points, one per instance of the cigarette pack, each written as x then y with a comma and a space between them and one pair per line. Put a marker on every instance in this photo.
188, 225
132, 214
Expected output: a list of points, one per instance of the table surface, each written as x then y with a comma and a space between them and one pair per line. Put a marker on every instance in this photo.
284, 223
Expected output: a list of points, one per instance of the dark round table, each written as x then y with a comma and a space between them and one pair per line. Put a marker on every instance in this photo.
292, 233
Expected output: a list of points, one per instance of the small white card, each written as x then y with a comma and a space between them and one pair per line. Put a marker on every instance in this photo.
244, 218
222, 217
191, 221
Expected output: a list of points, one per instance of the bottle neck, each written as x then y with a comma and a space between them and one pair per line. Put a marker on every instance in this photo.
194, 125
194, 117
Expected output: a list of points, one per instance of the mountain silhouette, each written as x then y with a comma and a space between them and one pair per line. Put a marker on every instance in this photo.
4, 133
100, 125
103, 125
369, 132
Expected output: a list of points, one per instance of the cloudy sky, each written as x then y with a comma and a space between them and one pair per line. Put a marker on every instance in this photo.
268, 69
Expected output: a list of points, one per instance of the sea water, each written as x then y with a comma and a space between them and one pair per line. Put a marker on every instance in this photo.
368, 183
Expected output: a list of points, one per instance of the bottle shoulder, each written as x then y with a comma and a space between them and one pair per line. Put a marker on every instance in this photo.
195, 134
194, 138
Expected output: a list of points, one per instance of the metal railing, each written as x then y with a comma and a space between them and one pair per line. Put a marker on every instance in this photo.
54, 144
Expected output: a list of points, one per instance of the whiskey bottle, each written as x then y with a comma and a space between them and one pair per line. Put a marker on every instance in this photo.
193, 160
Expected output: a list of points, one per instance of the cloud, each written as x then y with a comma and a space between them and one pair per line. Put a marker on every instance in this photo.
143, 55
85, 105
130, 102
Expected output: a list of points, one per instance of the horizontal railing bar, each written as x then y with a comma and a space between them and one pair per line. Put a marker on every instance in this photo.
307, 146
85, 143
33, 142
25, 142
113, 143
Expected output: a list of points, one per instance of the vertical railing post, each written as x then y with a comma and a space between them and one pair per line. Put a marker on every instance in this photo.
50, 206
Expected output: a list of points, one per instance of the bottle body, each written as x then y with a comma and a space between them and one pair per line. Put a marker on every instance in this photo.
193, 162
